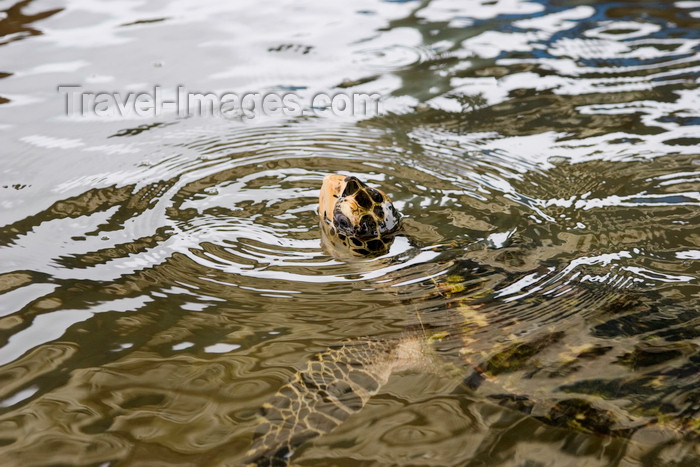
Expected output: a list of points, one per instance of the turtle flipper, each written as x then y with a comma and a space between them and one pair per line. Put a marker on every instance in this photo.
336, 384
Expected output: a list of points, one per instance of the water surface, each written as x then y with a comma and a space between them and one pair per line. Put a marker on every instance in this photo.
162, 277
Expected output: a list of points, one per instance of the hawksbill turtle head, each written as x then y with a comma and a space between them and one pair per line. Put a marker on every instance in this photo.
356, 219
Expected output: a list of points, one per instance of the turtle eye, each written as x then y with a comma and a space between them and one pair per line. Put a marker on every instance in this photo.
341, 221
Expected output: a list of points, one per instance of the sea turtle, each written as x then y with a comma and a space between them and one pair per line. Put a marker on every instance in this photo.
357, 220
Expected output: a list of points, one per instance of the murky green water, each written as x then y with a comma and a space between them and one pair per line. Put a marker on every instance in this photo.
161, 277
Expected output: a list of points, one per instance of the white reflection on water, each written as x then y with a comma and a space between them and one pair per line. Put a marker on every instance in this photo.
558, 140
52, 325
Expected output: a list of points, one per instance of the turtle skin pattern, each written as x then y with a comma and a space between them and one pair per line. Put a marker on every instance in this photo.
356, 219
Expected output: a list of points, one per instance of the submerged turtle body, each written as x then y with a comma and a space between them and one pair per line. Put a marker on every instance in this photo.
356, 221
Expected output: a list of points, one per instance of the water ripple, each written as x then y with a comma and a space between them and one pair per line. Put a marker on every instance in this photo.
161, 280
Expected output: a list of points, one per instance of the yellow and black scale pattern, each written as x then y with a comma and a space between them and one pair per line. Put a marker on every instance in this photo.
516, 354
356, 218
